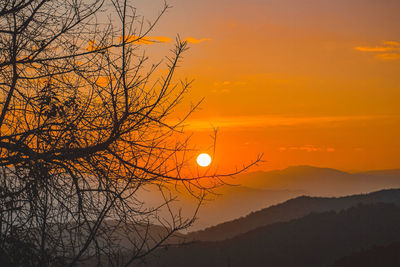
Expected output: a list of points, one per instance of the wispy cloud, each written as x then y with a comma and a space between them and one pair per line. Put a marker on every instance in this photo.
146, 39
308, 148
376, 49
196, 41
93, 46
389, 56
229, 83
389, 50
268, 121
226, 86
392, 43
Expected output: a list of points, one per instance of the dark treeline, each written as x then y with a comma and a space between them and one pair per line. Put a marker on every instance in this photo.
289, 210
318, 239
377, 256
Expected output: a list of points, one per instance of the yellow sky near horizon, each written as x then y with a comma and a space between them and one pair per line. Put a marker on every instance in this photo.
313, 83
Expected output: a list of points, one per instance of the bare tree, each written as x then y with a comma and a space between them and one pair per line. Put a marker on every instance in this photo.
84, 126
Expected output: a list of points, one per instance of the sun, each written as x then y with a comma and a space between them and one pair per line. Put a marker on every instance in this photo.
203, 160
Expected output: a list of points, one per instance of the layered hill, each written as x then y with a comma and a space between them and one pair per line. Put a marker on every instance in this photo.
317, 239
289, 210
321, 181
376, 256
257, 190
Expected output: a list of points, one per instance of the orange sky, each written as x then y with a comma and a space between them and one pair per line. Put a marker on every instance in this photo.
311, 82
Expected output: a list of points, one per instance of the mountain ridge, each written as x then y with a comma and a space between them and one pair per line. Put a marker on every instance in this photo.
318, 239
289, 210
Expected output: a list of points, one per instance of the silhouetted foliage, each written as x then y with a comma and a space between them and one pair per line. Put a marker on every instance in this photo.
376, 256
84, 126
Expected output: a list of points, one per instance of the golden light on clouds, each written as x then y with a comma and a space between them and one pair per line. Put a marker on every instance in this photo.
376, 48
159, 39
192, 40
389, 50
146, 39
269, 121
392, 43
389, 56
298, 91
93, 46
308, 148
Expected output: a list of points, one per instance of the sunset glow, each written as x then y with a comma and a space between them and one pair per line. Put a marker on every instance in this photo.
204, 160
199, 133
280, 75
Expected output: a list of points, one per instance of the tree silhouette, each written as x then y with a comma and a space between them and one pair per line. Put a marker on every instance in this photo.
84, 126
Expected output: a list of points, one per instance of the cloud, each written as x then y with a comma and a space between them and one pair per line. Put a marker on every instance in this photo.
308, 148
146, 39
241, 122
389, 50
159, 39
196, 41
226, 86
376, 49
393, 43
93, 46
389, 56
102, 81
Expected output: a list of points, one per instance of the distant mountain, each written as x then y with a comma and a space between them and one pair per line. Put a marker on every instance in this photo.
383, 173
316, 240
377, 256
227, 203
321, 181
289, 210
257, 190
231, 202
291, 177
147, 234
